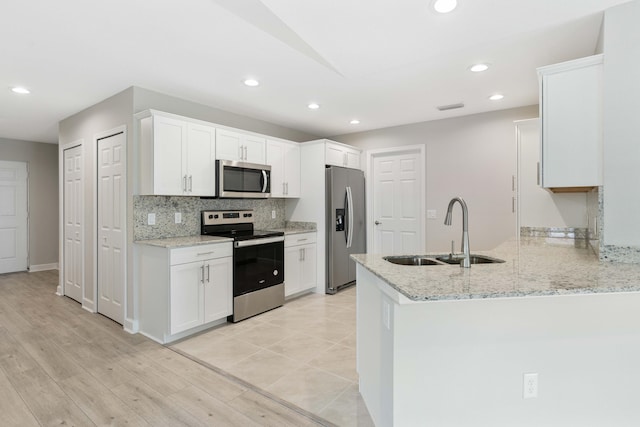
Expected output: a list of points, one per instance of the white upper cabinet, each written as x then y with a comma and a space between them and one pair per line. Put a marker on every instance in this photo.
238, 146
341, 155
176, 157
284, 158
571, 111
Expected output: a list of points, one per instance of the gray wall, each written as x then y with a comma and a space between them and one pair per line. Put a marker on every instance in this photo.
42, 160
473, 157
145, 99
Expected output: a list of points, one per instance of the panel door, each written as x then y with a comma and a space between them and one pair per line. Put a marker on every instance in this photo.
275, 158
292, 270
292, 170
185, 296
397, 200
228, 145
169, 139
201, 157
112, 213
218, 289
13, 216
73, 219
254, 149
308, 267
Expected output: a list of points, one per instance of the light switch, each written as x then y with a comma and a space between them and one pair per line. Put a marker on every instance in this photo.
151, 219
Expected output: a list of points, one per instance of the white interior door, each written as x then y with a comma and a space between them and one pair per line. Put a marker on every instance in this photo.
397, 202
111, 225
13, 216
73, 223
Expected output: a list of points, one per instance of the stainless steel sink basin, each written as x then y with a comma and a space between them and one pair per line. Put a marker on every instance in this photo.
475, 259
412, 260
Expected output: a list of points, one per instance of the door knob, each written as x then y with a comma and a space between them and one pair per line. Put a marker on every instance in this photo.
377, 223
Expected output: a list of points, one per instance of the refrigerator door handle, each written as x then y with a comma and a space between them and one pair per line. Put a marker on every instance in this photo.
349, 231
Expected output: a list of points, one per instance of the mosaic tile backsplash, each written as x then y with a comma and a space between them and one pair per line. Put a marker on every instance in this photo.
165, 208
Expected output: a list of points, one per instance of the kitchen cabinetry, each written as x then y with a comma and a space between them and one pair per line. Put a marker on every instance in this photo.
284, 158
238, 146
342, 155
299, 263
177, 157
184, 290
571, 111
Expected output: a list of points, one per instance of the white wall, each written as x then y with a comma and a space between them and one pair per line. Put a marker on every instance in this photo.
622, 125
474, 157
540, 207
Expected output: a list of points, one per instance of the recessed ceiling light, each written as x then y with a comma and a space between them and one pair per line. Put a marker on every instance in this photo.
355, 122
477, 68
444, 6
313, 106
20, 90
496, 97
251, 82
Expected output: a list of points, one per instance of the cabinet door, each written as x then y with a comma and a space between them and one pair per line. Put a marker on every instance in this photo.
254, 149
218, 289
292, 268
353, 159
201, 160
169, 136
308, 268
334, 155
228, 145
275, 157
186, 296
291, 160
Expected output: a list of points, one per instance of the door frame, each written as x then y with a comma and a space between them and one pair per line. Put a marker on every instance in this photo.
373, 154
61, 193
125, 248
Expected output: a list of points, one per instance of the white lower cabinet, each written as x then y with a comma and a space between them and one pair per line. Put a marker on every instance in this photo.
184, 290
299, 263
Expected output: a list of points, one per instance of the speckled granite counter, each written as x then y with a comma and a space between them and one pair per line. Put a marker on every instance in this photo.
533, 267
178, 242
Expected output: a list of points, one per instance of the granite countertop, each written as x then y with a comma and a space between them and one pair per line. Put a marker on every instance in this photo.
533, 267
179, 242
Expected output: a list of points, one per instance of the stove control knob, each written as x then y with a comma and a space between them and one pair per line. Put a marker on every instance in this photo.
216, 216
249, 215
210, 216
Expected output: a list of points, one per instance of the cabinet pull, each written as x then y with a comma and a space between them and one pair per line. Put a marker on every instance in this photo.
190, 182
299, 254
513, 204
538, 173
202, 274
205, 253
240, 152
284, 191
302, 240
304, 254
287, 192
184, 183
208, 274
245, 153
513, 183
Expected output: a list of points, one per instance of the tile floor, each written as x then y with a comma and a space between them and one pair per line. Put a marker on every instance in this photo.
303, 353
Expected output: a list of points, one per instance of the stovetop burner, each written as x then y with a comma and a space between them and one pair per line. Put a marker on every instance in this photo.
237, 225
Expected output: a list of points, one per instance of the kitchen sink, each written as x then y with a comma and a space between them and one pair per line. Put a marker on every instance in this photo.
474, 259
412, 260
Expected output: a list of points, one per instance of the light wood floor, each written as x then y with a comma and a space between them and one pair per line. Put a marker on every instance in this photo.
60, 365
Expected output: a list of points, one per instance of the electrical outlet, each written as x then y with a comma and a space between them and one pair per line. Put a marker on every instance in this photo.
273, 214
151, 219
431, 214
530, 386
178, 217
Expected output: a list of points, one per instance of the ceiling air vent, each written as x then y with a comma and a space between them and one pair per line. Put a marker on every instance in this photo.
450, 106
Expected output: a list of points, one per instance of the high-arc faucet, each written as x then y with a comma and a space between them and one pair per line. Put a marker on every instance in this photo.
466, 261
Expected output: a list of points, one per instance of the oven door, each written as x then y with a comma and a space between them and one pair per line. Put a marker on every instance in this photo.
257, 264
243, 180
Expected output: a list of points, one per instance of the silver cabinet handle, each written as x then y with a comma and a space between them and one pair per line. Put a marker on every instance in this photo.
240, 152
304, 254
287, 193
284, 191
190, 182
184, 183
208, 273
513, 204
302, 240
538, 173
299, 254
246, 155
202, 274
205, 253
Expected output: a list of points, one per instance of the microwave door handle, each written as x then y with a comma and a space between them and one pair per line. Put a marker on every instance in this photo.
265, 181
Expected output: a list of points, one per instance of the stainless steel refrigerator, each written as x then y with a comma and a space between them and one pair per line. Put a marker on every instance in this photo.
346, 232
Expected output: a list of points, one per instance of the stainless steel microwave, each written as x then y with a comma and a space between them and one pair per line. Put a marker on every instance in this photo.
243, 180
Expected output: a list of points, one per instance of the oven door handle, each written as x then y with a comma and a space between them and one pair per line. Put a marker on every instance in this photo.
256, 242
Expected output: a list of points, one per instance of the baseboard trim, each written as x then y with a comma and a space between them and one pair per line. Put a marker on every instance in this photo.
43, 267
131, 326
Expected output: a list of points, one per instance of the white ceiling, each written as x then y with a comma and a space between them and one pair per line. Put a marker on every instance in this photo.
385, 62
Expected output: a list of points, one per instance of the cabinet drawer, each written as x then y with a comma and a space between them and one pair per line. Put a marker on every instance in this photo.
299, 239
200, 252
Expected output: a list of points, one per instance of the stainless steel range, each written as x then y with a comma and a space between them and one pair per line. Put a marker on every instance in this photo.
258, 261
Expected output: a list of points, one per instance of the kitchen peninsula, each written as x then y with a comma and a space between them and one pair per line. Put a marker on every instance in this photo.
449, 346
